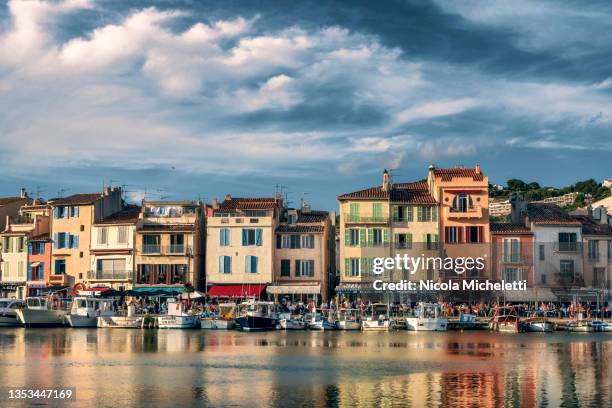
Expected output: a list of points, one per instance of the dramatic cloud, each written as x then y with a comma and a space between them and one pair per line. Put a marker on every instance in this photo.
260, 92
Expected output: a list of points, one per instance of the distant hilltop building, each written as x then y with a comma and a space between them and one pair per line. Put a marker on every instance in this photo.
561, 201
607, 183
499, 208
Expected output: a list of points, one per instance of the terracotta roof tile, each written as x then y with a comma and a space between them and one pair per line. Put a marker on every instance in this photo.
505, 227
77, 199
449, 174
300, 229
10, 200
312, 217
414, 193
549, 214
233, 204
590, 226
167, 228
129, 215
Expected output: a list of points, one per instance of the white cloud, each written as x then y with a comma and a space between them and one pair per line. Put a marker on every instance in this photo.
435, 109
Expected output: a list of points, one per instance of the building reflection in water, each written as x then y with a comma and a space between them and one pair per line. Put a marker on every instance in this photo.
190, 368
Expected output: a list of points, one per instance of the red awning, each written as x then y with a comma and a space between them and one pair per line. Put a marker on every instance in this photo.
236, 291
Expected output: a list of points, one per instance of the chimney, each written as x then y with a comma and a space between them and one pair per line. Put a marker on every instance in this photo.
386, 185
477, 169
228, 197
519, 207
23, 193
215, 204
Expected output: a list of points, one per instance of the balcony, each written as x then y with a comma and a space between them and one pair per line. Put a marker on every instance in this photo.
175, 249
568, 247
357, 219
460, 213
60, 279
21, 220
151, 249
515, 259
115, 274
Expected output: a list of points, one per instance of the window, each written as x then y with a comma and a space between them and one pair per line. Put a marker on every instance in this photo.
60, 212
352, 237
74, 211
291, 219
511, 250
250, 264
285, 267
399, 213
177, 243
304, 268
512, 274
60, 266
225, 264
224, 237
285, 241
122, 234
566, 268
541, 252
568, 241
426, 213
150, 244
352, 267
308, 241
543, 279
377, 211
431, 241
403, 241
474, 235
462, 203
354, 210
102, 236
61, 240
73, 241
453, 235
251, 236
593, 250
294, 241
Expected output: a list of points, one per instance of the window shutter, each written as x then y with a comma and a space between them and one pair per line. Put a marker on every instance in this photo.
221, 265
244, 237
247, 263
41, 271
347, 266
409, 215
55, 240
30, 248
258, 237
385, 234
370, 235
56, 213
76, 241
347, 237
434, 213
278, 241
480, 234
29, 271
41, 248
419, 213
395, 213
362, 236
76, 211
297, 267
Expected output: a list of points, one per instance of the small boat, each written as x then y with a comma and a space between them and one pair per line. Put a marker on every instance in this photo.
427, 318
466, 321
288, 322
131, 321
538, 324
39, 311
581, 326
601, 326
257, 315
319, 321
378, 318
506, 323
8, 316
86, 310
349, 319
177, 317
223, 320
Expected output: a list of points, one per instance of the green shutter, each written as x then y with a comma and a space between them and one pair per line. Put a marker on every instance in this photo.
409, 241
385, 234
362, 236
409, 211
395, 213
419, 213
347, 266
434, 213
347, 237
377, 211
370, 236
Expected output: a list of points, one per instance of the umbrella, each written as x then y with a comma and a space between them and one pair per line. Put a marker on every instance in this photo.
192, 295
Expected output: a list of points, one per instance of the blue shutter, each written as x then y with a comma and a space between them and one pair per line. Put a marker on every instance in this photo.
30, 244
55, 240
227, 264
56, 213
29, 271
254, 264
244, 237
41, 248
258, 236
41, 271
76, 211
66, 240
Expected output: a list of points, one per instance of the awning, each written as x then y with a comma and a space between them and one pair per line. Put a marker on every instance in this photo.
530, 295
294, 289
155, 291
237, 291
34, 264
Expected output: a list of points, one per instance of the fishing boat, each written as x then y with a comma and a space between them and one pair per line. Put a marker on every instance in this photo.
581, 326
320, 320
289, 322
8, 316
466, 321
506, 323
349, 319
428, 317
86, 310
538, 324
257, 315
224, 319
177, 317
601, 326
39, 311
378, 318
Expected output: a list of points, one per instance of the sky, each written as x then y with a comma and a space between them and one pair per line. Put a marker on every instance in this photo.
198, 99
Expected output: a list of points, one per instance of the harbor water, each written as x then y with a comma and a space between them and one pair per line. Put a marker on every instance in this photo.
185, 368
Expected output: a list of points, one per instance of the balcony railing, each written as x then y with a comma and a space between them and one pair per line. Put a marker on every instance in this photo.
474, 212
352, 218
21, 219
175, 249
115, 274
178, 249
369, 245
568, 247
151, 249
58, 279
512, 259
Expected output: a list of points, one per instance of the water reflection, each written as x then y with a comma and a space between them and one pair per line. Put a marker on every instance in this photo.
199, 368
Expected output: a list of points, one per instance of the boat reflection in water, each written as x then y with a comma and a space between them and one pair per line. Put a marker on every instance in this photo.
306, 368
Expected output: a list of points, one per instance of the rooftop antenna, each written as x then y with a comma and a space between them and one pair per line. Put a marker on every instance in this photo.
61, 191
39, 191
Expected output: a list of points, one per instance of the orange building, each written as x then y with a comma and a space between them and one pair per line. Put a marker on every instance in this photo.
463, 197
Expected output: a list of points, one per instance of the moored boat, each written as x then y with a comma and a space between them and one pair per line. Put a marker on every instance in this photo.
538, 324
580, 326
320, 321
289, 322
257, 315
223, 320
177, 317
349, 319
506, 323
40, 311
8, 315
378, 318
427, 318
86, 310
601, 326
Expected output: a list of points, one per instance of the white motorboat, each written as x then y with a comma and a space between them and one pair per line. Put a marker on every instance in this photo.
538, 324
378, 318
428, 317
319, 321
177, 317
581, 326
288, 322
8, 316
40, 311
349, 319
86, 310
223, 320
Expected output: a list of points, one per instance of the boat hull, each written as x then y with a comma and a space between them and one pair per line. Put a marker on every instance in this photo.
288, 324
321, 325
41, 318
217, 324
418, 324
348, 325
375, 325
121, 322
177, 322
256, 323
507, 327
540, 327
82, 321
10, 320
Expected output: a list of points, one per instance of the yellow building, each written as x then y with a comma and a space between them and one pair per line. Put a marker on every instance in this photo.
71, 224
169, 246
240, 245
382, 222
